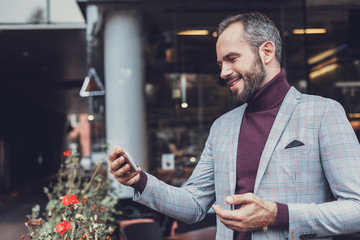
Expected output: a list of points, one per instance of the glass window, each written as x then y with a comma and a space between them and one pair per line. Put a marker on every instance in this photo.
184, 93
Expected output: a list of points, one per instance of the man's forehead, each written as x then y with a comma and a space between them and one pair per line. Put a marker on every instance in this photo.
233, 30
233, 35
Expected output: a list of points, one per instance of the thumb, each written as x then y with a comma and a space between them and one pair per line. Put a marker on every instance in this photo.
241, 198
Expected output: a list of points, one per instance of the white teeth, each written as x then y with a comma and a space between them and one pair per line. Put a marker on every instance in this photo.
233, 83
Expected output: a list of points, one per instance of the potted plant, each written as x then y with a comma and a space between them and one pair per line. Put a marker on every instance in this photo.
80, 205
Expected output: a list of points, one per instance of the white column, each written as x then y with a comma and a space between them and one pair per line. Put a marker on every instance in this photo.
124, 87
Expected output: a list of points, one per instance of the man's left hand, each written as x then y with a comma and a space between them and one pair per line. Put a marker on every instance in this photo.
253, 214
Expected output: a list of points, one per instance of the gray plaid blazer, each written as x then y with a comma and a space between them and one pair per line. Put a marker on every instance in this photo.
303, 177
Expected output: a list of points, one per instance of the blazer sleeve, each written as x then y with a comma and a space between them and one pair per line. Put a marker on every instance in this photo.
188, 203
340, 159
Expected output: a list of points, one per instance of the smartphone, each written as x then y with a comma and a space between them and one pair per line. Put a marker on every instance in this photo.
129, 160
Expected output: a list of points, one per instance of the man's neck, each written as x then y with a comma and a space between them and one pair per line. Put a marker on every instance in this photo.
271, 71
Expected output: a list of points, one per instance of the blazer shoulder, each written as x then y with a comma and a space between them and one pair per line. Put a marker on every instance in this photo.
232, 115
316, 102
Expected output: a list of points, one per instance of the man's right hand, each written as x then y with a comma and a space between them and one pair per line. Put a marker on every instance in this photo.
121, 173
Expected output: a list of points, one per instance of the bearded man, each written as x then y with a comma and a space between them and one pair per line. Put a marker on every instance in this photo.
273, 161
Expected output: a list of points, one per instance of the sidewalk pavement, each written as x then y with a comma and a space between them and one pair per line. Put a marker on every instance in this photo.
15, 205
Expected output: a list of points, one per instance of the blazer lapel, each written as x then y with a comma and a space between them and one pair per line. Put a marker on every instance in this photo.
291, 100
234, 129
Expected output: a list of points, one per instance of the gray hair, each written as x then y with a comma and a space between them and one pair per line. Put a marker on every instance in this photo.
258, 29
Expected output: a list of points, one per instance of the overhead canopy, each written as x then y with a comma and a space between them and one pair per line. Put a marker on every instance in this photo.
38, 61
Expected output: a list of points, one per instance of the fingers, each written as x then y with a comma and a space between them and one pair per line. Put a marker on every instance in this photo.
250, 216
242, 198
115, 153
116, 162
132, 180
229, 218
119, 169
124, 176
223, 213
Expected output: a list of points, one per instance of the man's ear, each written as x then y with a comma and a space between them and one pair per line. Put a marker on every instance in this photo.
267, 51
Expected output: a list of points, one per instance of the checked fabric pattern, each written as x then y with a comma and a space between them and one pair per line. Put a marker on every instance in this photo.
303, 176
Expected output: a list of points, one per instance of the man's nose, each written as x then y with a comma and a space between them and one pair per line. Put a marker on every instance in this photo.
226, 71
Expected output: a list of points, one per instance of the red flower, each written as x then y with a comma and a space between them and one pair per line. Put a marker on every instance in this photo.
84, 200
62, 227
68, 200
67, 153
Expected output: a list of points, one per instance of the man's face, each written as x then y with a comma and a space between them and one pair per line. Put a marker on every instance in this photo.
241, 67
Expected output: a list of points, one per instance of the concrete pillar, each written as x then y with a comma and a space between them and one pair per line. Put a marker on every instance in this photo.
124, 87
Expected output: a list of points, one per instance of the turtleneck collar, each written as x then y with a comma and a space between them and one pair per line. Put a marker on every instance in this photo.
271, 94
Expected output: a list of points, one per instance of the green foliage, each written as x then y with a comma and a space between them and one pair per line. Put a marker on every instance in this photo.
92, 212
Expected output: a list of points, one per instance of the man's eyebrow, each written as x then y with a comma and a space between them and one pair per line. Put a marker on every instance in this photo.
228, 56
231, 54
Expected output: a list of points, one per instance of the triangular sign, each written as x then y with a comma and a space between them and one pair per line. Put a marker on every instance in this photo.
92, 85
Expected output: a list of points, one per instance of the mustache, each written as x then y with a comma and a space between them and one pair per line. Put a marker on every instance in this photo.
233, 77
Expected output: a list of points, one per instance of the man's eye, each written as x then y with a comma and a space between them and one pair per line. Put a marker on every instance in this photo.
232, 59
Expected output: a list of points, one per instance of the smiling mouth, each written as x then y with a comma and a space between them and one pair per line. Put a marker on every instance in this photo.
234, 80
232, 83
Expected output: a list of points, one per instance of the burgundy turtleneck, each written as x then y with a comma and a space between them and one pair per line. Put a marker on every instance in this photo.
257, 121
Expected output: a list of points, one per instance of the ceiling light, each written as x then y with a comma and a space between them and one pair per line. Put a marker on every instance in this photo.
354, 115
194, 33
309, 31
184, 105
321, 56
325, 63
323, 70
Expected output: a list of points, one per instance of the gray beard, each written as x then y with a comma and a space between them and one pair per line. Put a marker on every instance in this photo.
253, 81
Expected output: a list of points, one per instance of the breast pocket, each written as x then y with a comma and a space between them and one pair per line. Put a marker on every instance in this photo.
296, 173
295, 160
